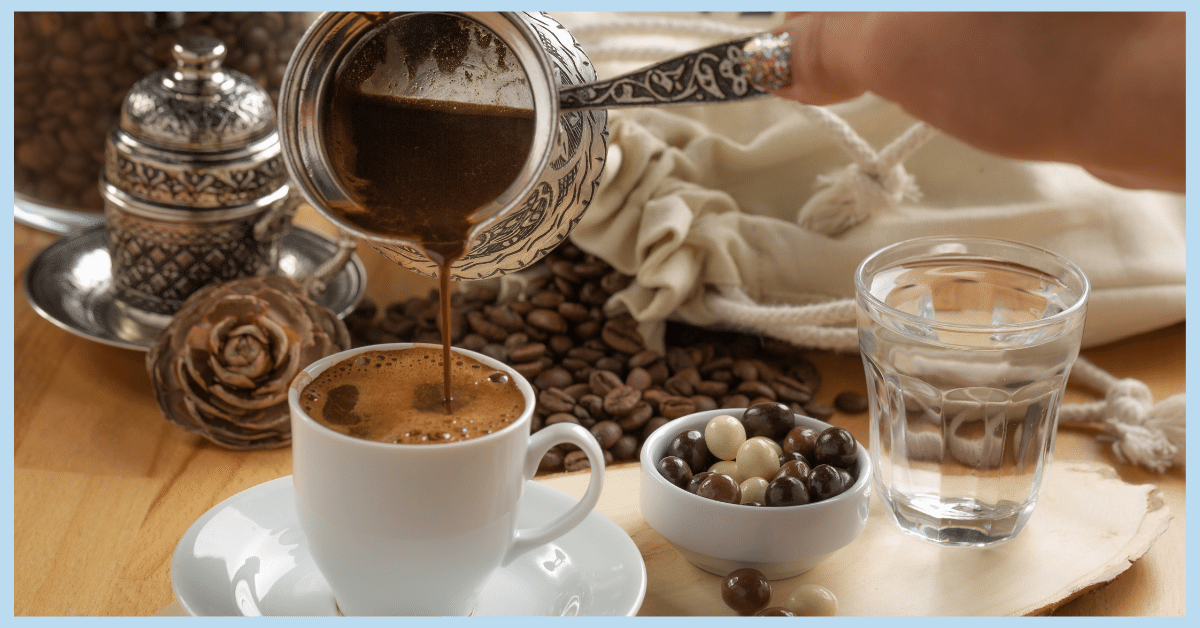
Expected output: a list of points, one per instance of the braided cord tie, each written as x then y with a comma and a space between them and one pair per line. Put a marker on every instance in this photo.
875, 181
1149, 434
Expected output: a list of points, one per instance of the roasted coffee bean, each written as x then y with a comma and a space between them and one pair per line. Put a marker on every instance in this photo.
678, 359
644, 358
591, 293
802, 440
555, 400
614, 282
577, 391
527, 353
611, 363
735, 401
658, 372
588, 329
710, 388
639, 379
835, 446
547, 320
576, 461
603, 382
547, 299
691, 448
554, 377
626, 447
594, 404
607, 433
786, 491
679, 386
851, 402
673, 407
825, 482
552, 460
653, 424
637, 417
482, 326
591, 268
564, 269
772, 420
621, 400
756, 390
675, 471
528, 370
746, 591
562, 417
720, 487
506, 317
789, 390
818, 410
492, 350
805, 371
622, 337
745, 370
575, 365
704, 403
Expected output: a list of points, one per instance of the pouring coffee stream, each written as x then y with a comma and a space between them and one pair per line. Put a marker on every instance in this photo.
472, 142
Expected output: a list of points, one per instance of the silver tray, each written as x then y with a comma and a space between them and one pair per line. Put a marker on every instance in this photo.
70, 284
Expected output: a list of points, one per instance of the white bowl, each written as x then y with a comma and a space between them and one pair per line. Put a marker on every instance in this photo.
717, 537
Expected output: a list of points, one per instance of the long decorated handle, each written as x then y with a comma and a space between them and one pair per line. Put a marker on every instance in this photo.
709, 75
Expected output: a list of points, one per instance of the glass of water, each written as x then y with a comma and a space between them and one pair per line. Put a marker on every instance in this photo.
967, 344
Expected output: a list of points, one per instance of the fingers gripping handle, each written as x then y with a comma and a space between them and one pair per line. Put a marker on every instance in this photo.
529, 538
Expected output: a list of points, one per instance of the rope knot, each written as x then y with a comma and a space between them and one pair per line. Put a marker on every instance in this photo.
1129, 401
1143, 432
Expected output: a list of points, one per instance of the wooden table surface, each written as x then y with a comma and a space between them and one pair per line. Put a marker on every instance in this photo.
104, 486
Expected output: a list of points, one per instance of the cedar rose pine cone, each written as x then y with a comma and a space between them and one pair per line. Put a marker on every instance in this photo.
222, 367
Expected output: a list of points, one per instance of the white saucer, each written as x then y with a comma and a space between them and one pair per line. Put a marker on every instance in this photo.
248, 556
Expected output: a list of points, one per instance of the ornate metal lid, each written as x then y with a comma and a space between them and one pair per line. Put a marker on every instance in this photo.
196, 135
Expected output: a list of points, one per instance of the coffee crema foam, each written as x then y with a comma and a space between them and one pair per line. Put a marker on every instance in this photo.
396, 396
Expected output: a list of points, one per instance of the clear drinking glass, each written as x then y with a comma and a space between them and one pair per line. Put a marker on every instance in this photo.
967, 344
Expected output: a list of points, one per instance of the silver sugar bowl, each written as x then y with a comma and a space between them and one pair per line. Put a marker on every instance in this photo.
195, 190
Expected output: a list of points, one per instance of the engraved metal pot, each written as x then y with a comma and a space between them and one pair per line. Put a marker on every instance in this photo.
195, 190
548, 197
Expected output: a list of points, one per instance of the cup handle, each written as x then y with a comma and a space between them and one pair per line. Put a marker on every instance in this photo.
528, 538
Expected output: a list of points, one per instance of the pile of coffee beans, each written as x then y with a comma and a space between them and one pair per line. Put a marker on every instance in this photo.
748, 592
761, 459
72, 71
595, 370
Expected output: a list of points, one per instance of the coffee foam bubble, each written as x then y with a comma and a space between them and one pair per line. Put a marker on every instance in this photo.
396, 396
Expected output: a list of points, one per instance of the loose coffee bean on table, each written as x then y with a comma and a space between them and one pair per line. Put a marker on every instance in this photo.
851, 402
556, 334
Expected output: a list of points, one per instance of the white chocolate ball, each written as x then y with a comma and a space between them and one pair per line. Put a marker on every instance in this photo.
756, 459
813, 600
727, 467
723, 435
754, 490
771, 443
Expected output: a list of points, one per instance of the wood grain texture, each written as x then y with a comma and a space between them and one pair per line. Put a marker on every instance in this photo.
104, 486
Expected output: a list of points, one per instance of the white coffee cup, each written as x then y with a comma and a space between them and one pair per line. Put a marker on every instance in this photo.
419, 529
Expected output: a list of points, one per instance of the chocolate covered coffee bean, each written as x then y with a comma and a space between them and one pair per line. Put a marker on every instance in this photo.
746, 591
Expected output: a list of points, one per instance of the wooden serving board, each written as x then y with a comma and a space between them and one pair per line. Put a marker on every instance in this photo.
1088, 527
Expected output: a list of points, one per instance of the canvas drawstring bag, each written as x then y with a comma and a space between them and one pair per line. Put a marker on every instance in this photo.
754, 215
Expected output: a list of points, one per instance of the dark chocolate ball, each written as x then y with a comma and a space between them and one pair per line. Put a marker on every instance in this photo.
835, 446
825, 482
801, 440
691, 448
798, 469
786, 491
769, 418
675, 470
746, 591
694, 483
720, 487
